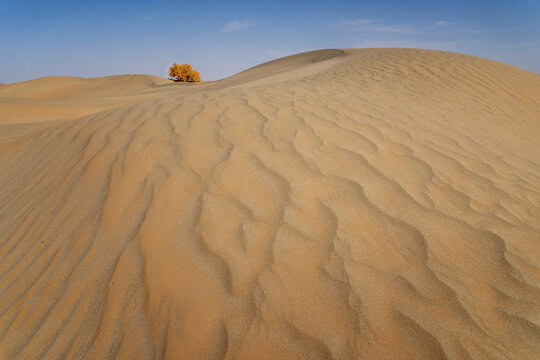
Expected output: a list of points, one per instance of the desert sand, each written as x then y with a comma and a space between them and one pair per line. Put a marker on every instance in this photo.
336, 204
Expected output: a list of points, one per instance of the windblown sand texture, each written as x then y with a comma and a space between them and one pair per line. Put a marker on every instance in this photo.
337, 204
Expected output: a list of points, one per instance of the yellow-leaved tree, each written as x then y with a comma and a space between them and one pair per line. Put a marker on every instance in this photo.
184, 72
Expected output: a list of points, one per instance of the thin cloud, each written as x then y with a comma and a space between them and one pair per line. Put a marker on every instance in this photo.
237, 25
392, 29
443, 23
353, 24
370, 25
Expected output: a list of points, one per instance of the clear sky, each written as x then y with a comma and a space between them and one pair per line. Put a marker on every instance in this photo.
219, 38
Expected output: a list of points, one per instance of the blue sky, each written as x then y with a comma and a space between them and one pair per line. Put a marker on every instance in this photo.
220, 38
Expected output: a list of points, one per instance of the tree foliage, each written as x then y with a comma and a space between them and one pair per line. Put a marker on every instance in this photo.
184, 72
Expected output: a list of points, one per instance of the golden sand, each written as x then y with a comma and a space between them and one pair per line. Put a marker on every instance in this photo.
337, 204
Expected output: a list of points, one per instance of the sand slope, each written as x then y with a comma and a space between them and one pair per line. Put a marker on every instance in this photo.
66, 98
355, 204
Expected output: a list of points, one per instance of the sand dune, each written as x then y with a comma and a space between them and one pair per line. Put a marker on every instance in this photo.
340, 204
67, 98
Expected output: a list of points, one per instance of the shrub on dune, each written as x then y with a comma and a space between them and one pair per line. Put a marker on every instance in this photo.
184, 72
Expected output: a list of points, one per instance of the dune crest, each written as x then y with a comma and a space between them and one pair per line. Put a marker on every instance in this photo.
340, 204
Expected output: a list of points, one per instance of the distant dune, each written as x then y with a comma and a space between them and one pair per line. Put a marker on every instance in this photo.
336, 204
